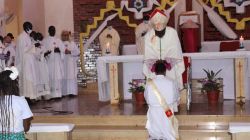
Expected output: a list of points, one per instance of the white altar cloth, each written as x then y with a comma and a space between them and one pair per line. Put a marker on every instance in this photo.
237, 127
207, 60
102, 71
51, 127
221, 60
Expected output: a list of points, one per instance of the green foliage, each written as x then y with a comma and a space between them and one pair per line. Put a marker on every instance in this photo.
211, 83
137, 86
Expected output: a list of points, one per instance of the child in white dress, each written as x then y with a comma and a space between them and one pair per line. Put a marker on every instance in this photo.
15, 114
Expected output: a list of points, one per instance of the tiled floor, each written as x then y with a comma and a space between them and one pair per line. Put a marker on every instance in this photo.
88, 104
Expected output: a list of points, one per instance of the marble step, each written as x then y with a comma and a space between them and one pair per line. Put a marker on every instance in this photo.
140, 120
139, 133
125, 127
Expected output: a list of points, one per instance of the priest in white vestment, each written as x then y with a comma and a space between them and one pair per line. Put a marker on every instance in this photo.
109, 41
162, 42
70, 65
42, 71
54, 56
140, 32
34, 71
23, 44
158, 124
29, 73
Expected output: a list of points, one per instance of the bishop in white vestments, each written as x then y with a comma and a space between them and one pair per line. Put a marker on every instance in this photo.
162, 42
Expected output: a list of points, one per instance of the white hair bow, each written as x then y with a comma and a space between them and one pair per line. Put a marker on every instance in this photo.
14, 73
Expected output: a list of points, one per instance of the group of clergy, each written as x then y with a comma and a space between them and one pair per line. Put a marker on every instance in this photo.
47, 66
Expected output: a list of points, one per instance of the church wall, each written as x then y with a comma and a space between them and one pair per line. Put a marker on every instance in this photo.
60, 14
42, 14
85, 10
1, 10
33, 11
211, 33
13, 26
76, 14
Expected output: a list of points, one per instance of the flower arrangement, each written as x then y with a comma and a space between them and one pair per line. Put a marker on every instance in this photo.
211, 83
137, 86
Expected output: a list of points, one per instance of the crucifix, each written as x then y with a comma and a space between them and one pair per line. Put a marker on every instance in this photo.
113, 77
239, 83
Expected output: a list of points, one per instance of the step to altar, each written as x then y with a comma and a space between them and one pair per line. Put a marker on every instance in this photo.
131, 127
140, 133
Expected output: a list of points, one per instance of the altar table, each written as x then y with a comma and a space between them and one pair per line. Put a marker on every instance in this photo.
235, 73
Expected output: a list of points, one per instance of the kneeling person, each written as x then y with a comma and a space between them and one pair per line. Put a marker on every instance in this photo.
160, 97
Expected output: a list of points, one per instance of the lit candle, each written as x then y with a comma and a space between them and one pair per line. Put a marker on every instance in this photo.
108, 47
241, 41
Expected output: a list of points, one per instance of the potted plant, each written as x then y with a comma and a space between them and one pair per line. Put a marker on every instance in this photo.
137, 87
211, 85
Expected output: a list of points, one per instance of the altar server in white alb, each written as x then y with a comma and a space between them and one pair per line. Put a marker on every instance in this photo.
33, 73
162, 42
9, 51
29, 71
23, 44
2, 55
162, 89
12, 40
70, 65
42, 72
54, 56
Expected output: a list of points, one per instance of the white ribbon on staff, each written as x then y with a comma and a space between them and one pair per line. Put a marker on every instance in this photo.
218, 22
